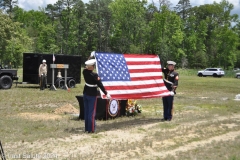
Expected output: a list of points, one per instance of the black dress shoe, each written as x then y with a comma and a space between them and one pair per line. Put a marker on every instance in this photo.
163, 119
91, 132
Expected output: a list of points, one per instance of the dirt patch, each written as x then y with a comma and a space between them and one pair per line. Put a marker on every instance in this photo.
39, 116
66, 109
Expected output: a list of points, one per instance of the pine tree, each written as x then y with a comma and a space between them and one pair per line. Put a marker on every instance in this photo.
8, 5
182, 8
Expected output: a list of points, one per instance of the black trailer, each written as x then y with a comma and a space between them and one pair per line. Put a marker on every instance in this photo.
31, 62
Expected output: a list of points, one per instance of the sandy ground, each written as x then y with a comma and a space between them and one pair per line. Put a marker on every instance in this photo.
65, 109
101, 145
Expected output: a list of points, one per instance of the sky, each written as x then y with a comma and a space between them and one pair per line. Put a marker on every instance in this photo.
35, 4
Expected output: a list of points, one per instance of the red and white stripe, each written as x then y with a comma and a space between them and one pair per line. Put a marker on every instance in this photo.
146, 79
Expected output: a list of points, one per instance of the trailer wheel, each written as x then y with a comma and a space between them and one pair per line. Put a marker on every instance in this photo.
71, 83
57, 83
5, 82
61, 84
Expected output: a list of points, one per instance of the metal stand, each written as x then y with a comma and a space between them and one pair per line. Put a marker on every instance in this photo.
59, 66
53, 86
65, 80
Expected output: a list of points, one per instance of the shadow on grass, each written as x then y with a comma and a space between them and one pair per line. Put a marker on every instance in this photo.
24, 86
114, 125
27, 86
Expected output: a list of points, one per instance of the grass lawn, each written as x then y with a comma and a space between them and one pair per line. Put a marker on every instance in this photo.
206, 116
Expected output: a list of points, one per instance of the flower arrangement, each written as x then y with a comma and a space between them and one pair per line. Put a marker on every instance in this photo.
133, 108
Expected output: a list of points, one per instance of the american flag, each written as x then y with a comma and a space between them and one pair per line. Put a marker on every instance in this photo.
131, 76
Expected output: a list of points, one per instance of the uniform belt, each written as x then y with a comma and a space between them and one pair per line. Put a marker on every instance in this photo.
91, 85
168, 81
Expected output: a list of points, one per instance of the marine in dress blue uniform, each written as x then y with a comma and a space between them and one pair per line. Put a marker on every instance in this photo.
90, 95
171, 82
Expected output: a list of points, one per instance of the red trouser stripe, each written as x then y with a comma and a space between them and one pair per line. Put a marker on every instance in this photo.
93, 115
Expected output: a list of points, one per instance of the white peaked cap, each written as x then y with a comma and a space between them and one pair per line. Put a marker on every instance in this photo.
90, 62
92, 54
171, 63
44, 60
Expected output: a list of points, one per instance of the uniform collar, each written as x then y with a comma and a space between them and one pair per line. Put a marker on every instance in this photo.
88, 70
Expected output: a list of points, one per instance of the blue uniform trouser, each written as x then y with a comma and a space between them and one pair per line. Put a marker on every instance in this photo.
90, 105
167, 107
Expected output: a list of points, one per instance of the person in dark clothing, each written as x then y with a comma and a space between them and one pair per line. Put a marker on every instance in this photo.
171, 82
90, 92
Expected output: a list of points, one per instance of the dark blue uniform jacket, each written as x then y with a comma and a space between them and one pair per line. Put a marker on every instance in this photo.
171, 76
93, 79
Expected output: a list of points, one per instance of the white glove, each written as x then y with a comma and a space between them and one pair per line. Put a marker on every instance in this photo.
108, 96
172, 93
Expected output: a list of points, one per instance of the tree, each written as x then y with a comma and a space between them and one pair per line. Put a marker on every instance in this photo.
13, 41
166, 35
236, 29
8, 5
46, 39
50, 10
79, 26
6, 29
162, 3
17, 45
66, 20
204, 31
150, 10
99, 25
183, 7
226, 47
128, 24
194, 42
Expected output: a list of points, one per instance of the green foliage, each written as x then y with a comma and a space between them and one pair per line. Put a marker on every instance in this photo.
13, 41
6, 29
47, 38
128, 23
8, 5
16, 46
166, 35
194, 37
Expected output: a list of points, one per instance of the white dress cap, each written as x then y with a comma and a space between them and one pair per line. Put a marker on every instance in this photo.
44, 61
171, 63
92, 54
90, 62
